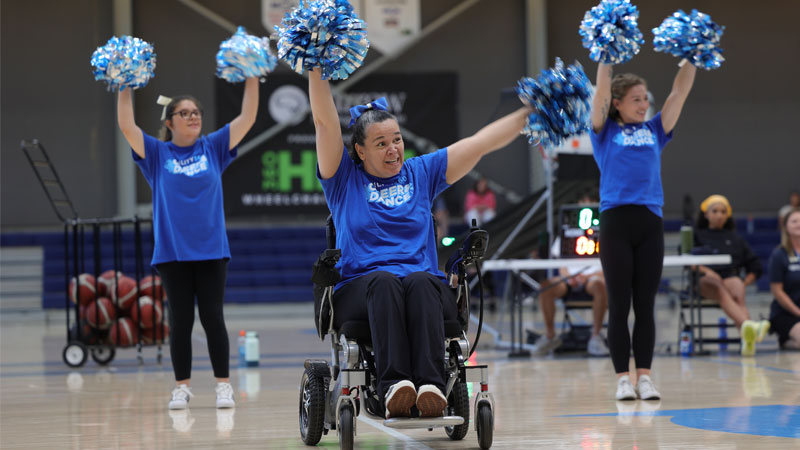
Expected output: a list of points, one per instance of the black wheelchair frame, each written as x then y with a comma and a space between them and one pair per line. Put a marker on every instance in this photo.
331, 397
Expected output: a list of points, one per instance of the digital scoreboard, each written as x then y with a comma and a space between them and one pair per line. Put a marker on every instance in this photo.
580, 230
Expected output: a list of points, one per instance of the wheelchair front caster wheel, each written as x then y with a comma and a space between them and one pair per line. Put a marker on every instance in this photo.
346, 427
75, 354
485, 425
312, 406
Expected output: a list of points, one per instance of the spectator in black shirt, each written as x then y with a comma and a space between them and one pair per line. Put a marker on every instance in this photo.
784, 282
715, 233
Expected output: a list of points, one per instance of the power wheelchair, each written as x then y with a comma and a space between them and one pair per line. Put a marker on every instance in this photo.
331, 395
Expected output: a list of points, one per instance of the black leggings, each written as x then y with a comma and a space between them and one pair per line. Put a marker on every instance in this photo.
406, 318
632, 254
183, 281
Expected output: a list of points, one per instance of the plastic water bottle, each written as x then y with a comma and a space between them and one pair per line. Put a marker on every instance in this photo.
686, 341
251, 352
723, 334
241, 346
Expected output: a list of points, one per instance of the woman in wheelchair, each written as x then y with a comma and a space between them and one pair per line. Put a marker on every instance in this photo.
381, 208
715, 233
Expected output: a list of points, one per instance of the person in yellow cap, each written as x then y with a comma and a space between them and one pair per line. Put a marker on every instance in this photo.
715, 233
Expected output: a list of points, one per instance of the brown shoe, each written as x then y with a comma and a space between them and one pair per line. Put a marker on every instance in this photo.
430, 401
400, 398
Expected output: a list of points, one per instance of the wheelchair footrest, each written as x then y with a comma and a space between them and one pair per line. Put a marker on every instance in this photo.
423, 422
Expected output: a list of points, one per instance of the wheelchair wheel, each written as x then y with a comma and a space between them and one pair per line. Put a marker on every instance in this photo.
312, 406
458, 405
485, 425
103, 355
346, 430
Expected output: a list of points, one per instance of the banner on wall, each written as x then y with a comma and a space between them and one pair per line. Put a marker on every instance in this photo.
391, 23
279, 176
273, 11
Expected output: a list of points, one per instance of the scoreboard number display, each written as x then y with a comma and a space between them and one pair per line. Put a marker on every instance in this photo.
580, 230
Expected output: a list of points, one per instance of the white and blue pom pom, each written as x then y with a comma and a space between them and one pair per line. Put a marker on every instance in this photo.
694, 37
244, 56
324, 33
560, 98
610, 31
124, 62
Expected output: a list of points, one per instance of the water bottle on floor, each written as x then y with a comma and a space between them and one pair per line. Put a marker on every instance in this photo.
240, 345
686, 341
723, 334
251, 351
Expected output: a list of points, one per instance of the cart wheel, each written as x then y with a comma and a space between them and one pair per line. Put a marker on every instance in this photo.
103, 355
458, 405
346, 430
485, 425
312, 406
75, 354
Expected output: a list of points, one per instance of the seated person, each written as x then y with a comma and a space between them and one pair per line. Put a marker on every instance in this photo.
573, 283
715, 233
784, 282
480, 203
381, 210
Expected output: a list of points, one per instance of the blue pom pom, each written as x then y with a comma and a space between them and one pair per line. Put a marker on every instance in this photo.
124, 62
326, 34
244, 56
610, 32
560, 98
694, 37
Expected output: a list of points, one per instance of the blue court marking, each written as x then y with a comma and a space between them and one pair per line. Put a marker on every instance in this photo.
766, 420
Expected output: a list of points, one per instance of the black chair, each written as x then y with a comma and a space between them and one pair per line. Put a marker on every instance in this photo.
331, 395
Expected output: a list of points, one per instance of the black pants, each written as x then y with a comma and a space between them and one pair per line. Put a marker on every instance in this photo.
183, 281
406, 318
632, 255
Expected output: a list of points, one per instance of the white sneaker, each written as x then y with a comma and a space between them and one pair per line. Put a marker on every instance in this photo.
544, 345
400, 398
597, 346
430, 401
225, 395
180, 397
625, 388
646, 389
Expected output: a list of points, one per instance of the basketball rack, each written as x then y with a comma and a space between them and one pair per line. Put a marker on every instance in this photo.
86, 250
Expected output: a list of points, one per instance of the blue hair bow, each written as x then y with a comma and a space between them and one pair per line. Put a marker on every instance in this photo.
358, 110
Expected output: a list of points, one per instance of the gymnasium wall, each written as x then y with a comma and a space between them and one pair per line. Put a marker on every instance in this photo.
735, 128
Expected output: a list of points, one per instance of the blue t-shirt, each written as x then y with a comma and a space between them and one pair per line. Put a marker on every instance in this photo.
629, 159
188, 213
784, 268
385, 223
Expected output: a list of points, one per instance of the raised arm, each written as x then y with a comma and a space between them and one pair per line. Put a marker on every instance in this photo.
602, 96
242, 123
326, 124
677, 97
464, 154
126, 122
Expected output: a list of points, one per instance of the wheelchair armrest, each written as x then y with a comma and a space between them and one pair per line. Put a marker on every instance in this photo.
324, 271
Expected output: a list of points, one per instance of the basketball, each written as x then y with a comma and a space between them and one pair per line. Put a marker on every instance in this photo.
105, 281
82, 289
100, 313
148, 313
124, 333
151, 287
124, 292
156, 335
88, 335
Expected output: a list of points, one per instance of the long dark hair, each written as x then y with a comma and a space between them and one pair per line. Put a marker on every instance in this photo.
360, 129
702, 222
620, 85
165, 134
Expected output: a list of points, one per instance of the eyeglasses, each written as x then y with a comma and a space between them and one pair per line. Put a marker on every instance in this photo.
185, 113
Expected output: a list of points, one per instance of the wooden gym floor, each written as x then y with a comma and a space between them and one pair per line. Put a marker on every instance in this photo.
721, 401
